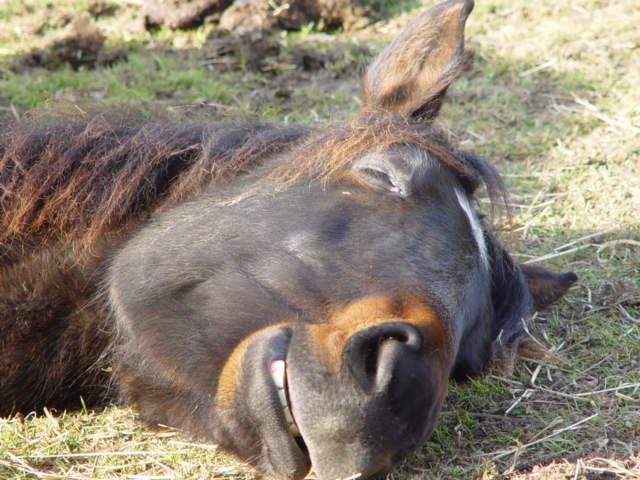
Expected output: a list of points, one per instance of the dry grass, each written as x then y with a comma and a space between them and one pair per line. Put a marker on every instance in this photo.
554, 100
105, 444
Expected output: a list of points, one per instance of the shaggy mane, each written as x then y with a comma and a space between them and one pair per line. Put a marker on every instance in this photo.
328, 156
87, 176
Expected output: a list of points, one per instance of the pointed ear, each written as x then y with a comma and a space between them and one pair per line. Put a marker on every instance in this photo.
412, 74
389, 171
546, 286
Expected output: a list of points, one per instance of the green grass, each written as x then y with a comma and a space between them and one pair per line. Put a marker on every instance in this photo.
553, 100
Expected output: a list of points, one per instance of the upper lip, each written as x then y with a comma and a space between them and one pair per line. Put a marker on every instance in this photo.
278, 371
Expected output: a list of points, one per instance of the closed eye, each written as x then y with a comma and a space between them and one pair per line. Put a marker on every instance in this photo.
379, 178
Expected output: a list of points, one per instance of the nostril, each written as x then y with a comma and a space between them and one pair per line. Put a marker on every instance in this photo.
409, 335
374, 354
403, 333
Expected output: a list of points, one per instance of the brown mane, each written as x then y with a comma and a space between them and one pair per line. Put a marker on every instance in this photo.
83, 177
329, 155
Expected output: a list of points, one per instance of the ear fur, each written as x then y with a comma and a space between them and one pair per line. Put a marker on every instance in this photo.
412, 74
546, 286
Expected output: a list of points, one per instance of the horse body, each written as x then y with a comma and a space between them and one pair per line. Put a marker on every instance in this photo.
52, 333
299, 297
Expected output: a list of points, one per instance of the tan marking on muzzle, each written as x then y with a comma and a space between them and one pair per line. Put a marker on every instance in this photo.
230, 376
329, 339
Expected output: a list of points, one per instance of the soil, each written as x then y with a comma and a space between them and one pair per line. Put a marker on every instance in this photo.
261, 50
181, 14
245, 15
81, 48
242, 16
619, 291
245, 34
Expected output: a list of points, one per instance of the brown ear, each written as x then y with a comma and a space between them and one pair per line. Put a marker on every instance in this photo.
412, 74
546, 286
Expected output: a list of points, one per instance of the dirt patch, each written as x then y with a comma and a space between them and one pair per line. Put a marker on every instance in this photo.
81, 48
99, 8
179, 14
242, 16
54, 18
254, 50
262, 50
340, 59
619, 291
246, 15
52, 21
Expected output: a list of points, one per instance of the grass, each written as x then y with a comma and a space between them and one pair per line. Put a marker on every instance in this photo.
553, 99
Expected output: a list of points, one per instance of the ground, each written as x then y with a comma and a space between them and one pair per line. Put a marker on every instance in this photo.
552, 97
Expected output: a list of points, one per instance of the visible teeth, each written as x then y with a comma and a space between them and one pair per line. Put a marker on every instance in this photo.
278, 370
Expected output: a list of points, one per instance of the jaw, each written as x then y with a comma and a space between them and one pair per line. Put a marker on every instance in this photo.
266, 411
264, 436
296, 414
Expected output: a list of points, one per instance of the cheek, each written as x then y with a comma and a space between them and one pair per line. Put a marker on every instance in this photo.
230, 377
300, 245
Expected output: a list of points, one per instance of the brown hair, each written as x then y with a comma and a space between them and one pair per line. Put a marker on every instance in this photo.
83, 176
87, 175
328, 155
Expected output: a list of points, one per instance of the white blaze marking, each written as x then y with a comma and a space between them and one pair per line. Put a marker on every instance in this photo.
476, 228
